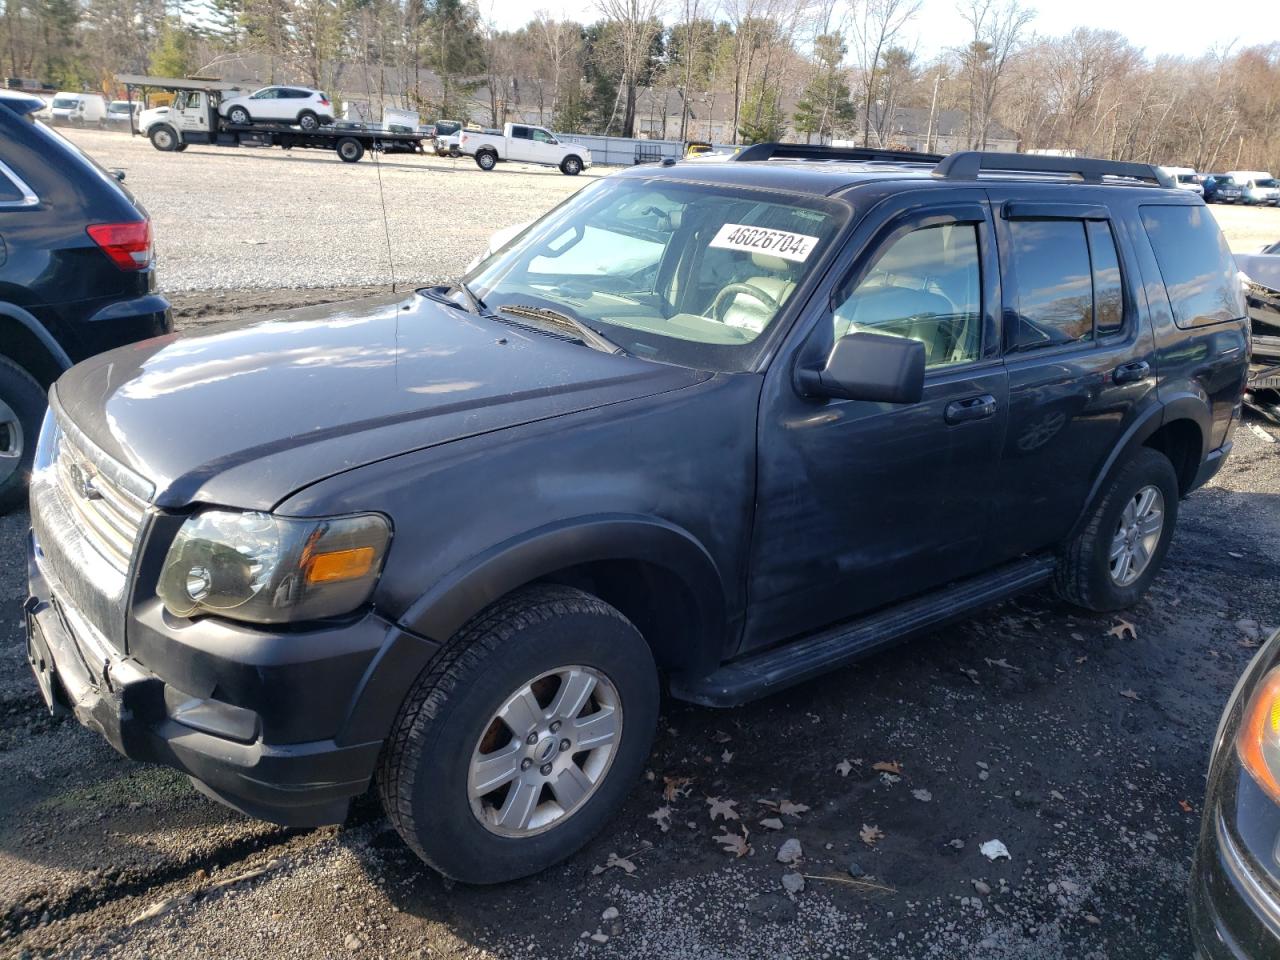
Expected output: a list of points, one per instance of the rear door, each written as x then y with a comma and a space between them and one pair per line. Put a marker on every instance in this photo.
861, 504
1080, 357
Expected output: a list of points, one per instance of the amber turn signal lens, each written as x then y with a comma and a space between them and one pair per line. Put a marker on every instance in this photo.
1261, 728
340, 565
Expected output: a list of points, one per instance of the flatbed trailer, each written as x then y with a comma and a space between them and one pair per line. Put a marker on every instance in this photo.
193, 118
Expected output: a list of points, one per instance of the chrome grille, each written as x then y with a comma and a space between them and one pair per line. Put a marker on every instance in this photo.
107, 502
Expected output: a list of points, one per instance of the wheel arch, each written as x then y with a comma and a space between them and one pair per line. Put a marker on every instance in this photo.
28, 343
654, 572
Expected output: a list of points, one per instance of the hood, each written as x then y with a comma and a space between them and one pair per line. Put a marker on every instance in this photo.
247, 414
1261, 268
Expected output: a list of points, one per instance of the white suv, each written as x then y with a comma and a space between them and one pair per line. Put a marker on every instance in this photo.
301, 105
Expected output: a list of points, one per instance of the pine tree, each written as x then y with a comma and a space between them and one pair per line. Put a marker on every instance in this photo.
174, 55
826, 107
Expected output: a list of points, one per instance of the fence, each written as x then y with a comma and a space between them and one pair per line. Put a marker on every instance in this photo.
627, 151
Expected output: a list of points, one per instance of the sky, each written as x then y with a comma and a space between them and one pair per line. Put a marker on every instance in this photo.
1180, 28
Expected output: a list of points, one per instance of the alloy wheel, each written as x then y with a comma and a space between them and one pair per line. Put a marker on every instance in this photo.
545, 751
1137, 535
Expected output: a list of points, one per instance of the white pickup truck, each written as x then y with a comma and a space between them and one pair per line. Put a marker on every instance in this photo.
524, 144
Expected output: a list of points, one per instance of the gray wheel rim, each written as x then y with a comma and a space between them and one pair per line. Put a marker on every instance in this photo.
571, 166
12, 442
486, 161
1137, 535
308, 122
163, 139
348, 150
545, 751
239, 116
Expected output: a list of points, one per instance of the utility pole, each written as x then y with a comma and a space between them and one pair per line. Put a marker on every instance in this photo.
933, 109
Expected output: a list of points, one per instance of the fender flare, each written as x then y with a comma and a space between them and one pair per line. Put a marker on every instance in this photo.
450, 602
43, 337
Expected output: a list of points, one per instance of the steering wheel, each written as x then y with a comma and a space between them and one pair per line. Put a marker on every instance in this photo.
734, 289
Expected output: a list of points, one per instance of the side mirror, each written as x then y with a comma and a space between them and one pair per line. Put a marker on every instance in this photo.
118, 174
869, 366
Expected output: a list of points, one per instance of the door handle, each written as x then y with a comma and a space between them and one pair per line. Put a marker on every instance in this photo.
1134, 372
971, 408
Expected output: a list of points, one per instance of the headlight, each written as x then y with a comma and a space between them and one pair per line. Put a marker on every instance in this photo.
1258, 742
266, 569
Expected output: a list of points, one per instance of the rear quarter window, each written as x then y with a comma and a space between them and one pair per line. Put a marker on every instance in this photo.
1195, 263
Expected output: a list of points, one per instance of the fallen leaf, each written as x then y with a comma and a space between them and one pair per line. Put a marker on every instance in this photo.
888, 766
1123, 627
675, 787
790, 851
1056, 795
889, 779
615, 861
726, 757
1130, 694
1002, 663
994, 850
1232, 553
771, 823
924, 796
1186, 807
1078, 637
1080, 660
662, 817
735, 843
722, 808
844, 768
870, 835
721, 737
786, 807
971, 673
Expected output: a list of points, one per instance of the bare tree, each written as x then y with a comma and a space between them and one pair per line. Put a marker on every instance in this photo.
876, 26
637, 24
997, 28
561, 45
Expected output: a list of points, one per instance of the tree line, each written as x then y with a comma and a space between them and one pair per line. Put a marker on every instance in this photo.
747, 70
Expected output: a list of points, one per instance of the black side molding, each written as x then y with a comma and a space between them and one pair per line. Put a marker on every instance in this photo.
761, 674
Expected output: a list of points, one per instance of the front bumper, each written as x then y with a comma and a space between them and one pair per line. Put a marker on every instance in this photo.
143, 705
1234, 915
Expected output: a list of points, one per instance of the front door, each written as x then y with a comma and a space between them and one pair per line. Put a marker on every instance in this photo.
1080, 356
861, 504
520, 143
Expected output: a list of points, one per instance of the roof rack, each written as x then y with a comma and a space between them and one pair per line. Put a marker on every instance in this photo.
968, 164
814, 151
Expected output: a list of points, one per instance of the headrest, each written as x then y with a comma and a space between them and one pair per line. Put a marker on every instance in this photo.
766, 262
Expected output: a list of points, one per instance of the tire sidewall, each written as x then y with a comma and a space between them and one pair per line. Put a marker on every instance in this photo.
485, 160
1148, 467
26, 398
162, 131
453, 838
571, 166
309, 116
357, 150
239, 111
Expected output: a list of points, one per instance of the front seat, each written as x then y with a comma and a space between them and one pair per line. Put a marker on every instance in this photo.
774, 280
900, 312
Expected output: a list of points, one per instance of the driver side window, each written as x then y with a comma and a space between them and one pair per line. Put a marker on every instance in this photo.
927, 286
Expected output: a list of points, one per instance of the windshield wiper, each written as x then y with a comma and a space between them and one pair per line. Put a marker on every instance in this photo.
474, 303
588, 335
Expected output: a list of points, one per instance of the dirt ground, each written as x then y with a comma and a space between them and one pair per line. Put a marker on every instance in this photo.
1078, 741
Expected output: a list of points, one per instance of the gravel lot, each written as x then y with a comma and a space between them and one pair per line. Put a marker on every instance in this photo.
1011, 726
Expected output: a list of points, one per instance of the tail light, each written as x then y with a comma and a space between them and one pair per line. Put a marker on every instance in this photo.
127, 244
324, 102
463, 138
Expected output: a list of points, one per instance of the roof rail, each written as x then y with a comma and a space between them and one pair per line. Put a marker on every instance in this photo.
815, 151
967, 165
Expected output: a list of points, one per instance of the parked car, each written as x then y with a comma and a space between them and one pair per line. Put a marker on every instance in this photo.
1221, 188
309, 109
1257, 186
120, 113
1185, 178
1235, 877
525, 144
78, 275
737, 423
446, 144
78, 109
1261, 275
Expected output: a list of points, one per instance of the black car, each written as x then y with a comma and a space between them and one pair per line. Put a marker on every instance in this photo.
1235, 878
730, 424
1261, 275
1219, 188
76, 274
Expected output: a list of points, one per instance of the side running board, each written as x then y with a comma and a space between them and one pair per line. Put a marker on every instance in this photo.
760, 674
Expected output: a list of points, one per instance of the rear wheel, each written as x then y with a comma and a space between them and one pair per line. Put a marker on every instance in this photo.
1110, 563
308, 121
571, 166
164, 138
523, 738
486, 160
238, 115
22, 406
350, 149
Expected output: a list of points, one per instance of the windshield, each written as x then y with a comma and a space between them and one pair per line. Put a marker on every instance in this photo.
679, 272
64, 103
119, 106
1267, 183
1187, 178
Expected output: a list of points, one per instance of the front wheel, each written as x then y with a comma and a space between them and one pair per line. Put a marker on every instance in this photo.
1110, 563
350, 149
486, 160
164, 138
524, 736
571, 166
22, 406
238, 115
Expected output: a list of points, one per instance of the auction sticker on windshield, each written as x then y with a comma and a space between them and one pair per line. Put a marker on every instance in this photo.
777, 243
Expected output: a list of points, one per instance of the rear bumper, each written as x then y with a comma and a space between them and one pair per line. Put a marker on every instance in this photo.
1233, 915
119, 322
145, 716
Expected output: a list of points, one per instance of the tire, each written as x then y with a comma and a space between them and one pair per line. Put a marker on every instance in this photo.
1085, 574
454, 153
22, 405
486, 160
571, 166
350, 150
164, 138
180, 147
308, 121
450, 714
239, 116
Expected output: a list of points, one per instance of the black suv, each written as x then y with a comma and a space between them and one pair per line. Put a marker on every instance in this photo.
732, 424
76, 274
